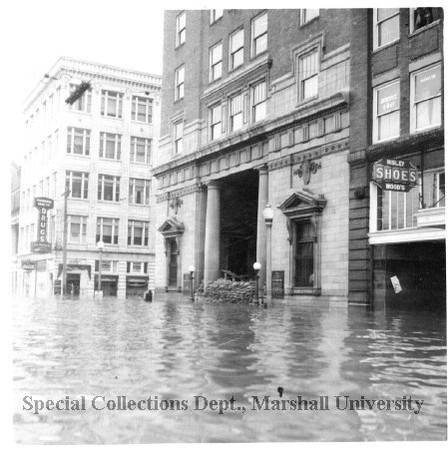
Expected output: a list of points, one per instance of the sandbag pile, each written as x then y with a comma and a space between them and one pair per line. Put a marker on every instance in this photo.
225, 290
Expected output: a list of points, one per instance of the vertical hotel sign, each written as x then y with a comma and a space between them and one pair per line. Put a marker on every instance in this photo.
43, 205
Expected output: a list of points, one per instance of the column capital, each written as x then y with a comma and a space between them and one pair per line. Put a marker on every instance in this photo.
213, 184
262, 169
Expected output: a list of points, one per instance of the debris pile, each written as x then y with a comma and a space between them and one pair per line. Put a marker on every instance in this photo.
225, 290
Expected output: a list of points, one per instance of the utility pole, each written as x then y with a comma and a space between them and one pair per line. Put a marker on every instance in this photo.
64, 245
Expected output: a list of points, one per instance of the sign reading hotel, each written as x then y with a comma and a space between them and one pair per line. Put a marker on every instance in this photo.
43, 205
392, 174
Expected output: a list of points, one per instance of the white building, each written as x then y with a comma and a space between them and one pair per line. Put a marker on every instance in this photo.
100, 149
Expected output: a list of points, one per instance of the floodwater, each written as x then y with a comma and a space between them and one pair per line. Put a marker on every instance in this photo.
174, 349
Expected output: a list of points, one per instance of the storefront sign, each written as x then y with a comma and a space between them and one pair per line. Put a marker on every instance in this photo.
27, 265
278, 284
43, 205
392, 174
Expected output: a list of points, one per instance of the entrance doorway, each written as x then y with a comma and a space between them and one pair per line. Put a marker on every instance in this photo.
239, 206
172, 262
73, 283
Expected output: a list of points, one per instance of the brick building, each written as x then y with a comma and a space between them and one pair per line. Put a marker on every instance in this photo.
255, 111
100, 149
396, 113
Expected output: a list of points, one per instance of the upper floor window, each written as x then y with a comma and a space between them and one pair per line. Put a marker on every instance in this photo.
259, 34
78, 141
139, 191
179, 83
422, 17
306, 15
236, 112
216, 62
259, 101
386, 112
111, 104
107, 230
215, 122
138, 233
107, 266
180, 28
386, 26
434, 189
142, 109
178, 137
77, 228
140, 150
110, 146
236, 49
137, 267
426, 98
108, 188
309, 75
215, 14
77, 184
84, 102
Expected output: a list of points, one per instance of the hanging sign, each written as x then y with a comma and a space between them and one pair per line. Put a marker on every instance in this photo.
28, 265
43, 205
392, 174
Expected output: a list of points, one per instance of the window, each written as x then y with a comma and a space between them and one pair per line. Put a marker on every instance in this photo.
108, 188
78, 141
138, 232
77, 228
236, 112
304, 238
137, 267
77, 183
110, 146
386, 26
180, 28
84, 103
236, 46
178, 137
215, 14
111, 104
426, 99
306, 15
140, 150
386, 113
139, 191
433, 192
215, 122
107, 230
41, 188
259, 101
142, 109
422, 17
260, 34
47, 187
216, 62
179, 78
107, 266
309, 75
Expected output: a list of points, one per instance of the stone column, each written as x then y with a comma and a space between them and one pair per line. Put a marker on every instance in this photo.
261, 225
212, 233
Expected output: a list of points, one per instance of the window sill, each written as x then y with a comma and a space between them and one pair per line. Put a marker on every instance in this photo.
140, 122
178, 46
258, 55
303, 25
216, 21
304, 291
82, 156
143, 164
423, 29
414, 132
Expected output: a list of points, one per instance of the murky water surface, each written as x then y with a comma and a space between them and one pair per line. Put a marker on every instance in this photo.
175, 349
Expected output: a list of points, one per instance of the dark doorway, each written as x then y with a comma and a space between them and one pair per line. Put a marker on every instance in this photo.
172, 262
73, 283
109, 284
239, 205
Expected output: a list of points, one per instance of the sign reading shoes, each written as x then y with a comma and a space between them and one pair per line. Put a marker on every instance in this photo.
43, 205
392, 174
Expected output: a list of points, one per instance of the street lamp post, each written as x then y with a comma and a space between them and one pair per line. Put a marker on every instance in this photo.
100, 246
191, 270
268, 215
257, 268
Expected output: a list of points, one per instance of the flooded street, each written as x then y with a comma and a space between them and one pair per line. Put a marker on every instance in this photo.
175, 349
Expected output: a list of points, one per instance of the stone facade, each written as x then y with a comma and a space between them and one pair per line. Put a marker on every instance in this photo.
296, 153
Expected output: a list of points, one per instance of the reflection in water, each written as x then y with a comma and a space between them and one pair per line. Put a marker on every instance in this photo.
175, 349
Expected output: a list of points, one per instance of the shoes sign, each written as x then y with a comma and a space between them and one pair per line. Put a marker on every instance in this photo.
393, 174
43, 205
